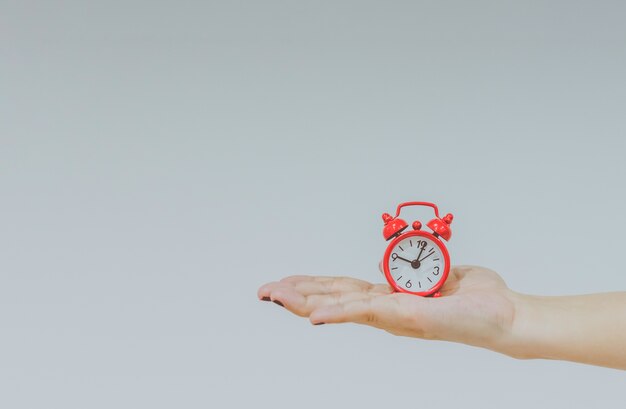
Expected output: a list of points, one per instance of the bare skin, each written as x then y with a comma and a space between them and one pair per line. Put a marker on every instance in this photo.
476, 308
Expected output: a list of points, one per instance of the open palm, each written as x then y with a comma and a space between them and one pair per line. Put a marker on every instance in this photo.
475, 306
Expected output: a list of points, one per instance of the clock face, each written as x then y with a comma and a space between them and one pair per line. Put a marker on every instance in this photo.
417, 264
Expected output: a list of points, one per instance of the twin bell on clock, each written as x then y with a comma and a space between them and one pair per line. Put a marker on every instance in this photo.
417, 261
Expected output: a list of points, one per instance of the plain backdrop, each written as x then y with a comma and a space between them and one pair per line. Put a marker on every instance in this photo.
161, 160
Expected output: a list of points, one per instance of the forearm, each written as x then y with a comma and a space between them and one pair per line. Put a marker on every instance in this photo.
585, 328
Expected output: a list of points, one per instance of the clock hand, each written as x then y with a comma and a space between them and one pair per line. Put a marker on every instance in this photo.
419, 255
428, 255
395, 256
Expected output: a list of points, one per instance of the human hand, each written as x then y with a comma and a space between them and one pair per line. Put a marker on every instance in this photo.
475, 306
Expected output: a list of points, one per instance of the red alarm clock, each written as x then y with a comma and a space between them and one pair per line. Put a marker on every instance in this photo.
417, 262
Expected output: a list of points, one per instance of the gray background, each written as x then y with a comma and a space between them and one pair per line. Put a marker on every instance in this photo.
161, 160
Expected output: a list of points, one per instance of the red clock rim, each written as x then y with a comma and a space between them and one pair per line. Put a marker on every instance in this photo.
430, 236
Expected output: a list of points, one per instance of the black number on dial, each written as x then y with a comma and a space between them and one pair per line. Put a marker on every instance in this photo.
408, 284
436, 272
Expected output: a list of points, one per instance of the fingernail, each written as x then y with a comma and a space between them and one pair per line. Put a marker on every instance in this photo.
319, 323
279, 303
266, 299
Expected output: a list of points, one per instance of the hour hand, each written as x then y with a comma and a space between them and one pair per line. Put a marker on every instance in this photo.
420, 254
395, 256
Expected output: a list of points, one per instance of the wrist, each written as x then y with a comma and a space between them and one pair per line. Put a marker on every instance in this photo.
584, 328
522, 339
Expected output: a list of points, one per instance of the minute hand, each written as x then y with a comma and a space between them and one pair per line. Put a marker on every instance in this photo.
427, 255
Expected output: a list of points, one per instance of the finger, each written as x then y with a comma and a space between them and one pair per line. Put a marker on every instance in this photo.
308, 285
327, 287
280, 293
303, 305
305, 288
370, 311
263, 293
287, 297
330, 284
333, 287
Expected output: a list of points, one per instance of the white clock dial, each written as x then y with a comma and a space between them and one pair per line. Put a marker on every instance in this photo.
416, 264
